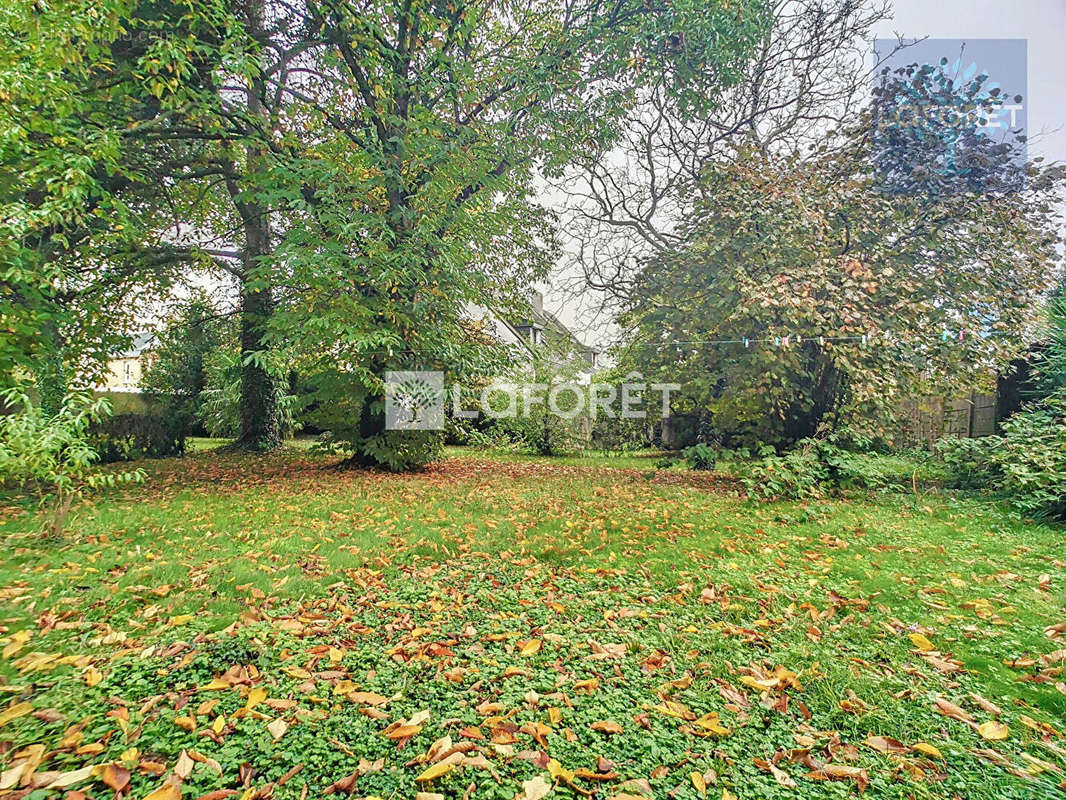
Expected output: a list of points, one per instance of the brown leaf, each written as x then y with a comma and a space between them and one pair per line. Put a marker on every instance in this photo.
115, 777
883, 744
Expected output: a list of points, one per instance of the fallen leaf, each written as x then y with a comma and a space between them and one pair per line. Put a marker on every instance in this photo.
535, 788
921, 642
994, 731
14, 712
435, 771
929, 750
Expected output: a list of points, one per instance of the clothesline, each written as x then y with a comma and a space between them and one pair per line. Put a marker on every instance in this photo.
785, 341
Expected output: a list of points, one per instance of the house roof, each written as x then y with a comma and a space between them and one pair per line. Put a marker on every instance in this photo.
141, 342
541, 318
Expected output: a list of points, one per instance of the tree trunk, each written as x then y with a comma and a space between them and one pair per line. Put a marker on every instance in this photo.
259, 413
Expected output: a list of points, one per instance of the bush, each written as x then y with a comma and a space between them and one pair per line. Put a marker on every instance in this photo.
51, 453
969, 462
220, 400
1026, 465
814, 467
1031, 455
129, 437
701, 456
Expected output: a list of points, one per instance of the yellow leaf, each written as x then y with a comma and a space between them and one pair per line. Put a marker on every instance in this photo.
256, 696
180, 619
928, 750
215, 685
14, 712
17, 641
368, 698
535, 789
442, 768
277, 728
530, 648
74, 776
698, 782
921, 642
710, 723
166, 792
996, 731
218, 724
92, 676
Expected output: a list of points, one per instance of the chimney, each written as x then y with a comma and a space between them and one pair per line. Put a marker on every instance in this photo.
537, 301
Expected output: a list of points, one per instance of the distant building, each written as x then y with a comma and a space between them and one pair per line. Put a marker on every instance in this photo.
541, 331
126, 369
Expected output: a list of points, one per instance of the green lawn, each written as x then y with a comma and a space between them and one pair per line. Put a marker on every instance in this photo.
501, 626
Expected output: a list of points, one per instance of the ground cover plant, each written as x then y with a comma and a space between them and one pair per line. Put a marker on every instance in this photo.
508, 627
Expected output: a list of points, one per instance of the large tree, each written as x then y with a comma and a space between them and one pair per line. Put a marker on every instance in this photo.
804, 294
807, 74
416, 199
360, 169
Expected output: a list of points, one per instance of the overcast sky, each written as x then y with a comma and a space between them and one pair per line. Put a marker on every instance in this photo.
1042, 22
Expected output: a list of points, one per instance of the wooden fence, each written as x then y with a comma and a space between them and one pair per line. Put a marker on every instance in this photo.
925, 421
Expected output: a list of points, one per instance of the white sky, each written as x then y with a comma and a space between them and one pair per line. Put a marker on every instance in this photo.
1041, 22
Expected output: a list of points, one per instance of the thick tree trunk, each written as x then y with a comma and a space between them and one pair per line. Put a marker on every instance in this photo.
259, 413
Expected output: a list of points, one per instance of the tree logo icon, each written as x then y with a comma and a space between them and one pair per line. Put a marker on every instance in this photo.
414, 400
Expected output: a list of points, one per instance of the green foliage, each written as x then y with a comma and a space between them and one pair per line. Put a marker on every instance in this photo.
53, 454
701, 456
970, 463
1031, 455
130, 437
1051, 367
220, 399
829, 280
1026, 465
814, 467
177, 375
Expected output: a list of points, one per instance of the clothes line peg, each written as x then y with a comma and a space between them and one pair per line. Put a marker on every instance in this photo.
745, 342
784, 341
777, 341
962, 335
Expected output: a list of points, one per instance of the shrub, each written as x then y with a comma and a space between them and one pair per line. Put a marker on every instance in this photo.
1031, 456
795, 474
814, 467
128, 437
51, 453
969, 462
701, 456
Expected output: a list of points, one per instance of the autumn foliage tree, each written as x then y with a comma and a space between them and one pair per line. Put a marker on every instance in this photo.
850, 298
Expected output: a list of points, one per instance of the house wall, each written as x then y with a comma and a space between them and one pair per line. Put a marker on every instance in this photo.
124, 374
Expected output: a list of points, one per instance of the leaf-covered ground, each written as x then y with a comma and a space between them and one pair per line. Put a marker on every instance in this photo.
273, 628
